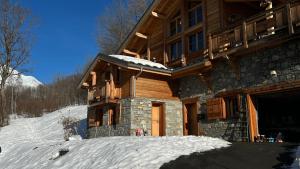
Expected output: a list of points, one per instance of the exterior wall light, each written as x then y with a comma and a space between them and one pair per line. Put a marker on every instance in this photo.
273, 73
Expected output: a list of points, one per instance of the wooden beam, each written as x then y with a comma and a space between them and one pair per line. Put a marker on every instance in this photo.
85, 84
138, 34
94, 78
245, 39
131, 53
157, 15
210, 48
148, 50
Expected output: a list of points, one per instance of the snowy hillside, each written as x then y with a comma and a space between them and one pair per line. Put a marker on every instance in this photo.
30, 143
23, 80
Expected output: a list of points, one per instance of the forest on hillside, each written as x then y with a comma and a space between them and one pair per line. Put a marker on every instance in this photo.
112, 29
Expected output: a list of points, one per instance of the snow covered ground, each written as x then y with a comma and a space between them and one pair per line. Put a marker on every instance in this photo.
31, 143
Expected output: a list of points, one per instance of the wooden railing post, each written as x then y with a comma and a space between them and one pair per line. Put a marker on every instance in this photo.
245, 39
210, 48
289, 18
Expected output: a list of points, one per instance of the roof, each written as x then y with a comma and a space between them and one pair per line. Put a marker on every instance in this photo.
127, 62
139, 61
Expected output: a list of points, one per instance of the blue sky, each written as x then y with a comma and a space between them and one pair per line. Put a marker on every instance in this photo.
65, 36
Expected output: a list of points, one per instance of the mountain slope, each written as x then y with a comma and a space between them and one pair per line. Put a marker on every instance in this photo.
29, 143
22, 80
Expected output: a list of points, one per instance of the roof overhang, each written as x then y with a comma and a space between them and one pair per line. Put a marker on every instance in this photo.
122, 64
192, 69
146, 15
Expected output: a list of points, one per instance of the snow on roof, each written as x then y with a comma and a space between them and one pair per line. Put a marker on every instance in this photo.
139, 61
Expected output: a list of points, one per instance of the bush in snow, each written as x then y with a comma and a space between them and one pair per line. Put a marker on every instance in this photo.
70, 126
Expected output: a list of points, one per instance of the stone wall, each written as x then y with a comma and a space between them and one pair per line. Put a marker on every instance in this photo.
254, 71
105, 131
137, 113
121, 129
141, 111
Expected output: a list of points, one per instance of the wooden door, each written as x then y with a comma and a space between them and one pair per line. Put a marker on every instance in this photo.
190, 121
157, 120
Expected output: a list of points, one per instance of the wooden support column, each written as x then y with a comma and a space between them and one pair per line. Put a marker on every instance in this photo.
112, 85
210, 48
252, 118
289, 18
107, 90
148, 48
183, 26
132, 86
245, 39
165, 31
94, 78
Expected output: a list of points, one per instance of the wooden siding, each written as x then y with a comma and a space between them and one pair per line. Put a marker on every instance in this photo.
125, 84
213, 15
153, 88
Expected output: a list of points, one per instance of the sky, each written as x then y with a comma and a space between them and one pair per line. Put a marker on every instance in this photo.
64, 36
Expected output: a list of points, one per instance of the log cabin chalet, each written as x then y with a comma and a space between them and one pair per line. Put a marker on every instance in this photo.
221, 68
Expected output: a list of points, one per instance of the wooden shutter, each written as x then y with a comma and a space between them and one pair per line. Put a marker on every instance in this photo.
216, 109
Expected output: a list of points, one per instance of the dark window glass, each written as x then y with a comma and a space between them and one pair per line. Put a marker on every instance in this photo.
176, 50
192, 43
179, 49
173, 51
173, 28
199, 14
200, 40
195, 16
192, 18
178, 25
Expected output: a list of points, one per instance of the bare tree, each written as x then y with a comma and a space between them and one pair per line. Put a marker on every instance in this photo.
14, 45
117, 21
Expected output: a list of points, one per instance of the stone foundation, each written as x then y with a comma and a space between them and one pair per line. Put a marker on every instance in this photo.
254, 70
137, 113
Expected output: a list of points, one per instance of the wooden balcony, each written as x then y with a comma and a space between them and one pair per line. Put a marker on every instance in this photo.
104, 94
276, 23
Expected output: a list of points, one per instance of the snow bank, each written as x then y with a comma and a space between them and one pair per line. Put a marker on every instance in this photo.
29, 143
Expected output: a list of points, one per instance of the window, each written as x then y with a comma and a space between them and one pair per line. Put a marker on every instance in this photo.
175, 25
195, 14
175, 50
196, 42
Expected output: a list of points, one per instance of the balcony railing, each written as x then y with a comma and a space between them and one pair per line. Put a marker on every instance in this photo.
103, 94
281, 20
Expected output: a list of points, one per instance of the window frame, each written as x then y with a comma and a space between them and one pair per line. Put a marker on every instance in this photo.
178, 25
196, 34
178, 45
194, 9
